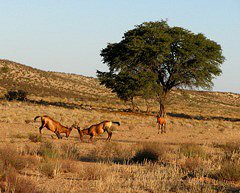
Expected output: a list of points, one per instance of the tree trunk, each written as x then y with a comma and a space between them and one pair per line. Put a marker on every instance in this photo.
162, 111
134, 107
162, 102
147, 106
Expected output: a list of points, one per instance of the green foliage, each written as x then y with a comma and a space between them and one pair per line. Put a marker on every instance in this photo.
5, 69
20, 95
153, 58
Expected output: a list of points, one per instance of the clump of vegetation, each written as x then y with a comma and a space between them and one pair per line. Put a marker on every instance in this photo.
229, 171
47, 150
10, 158
231, 147
150, 152
30, 149
192, 150
10, 164
70, 151
191, 164
231, 150
69, 166
11, 181
19, 136
50, 168
19, 95
93, 172
35, 138
111, 152
5, 69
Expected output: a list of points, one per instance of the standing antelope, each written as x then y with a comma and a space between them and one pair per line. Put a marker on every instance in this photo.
53, 126
161, 124
97, 129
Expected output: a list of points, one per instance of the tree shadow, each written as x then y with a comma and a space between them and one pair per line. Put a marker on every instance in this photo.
185, 116
126, 111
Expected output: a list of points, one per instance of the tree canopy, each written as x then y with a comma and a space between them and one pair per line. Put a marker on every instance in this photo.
155, 57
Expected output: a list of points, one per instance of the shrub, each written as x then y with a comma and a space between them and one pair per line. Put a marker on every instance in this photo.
47, 150
13, 182
5, 69
69, 151
20, 95
149, 152
10, 158
231, 150
93, 172
30, 149
110, 152
191, 164
231, 147
18, 135
50, 168
229, 171
69, 166
35, 137
192, 150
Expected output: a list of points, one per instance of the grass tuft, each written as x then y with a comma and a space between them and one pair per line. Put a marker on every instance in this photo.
149, 152
229, 171
192, 150
35, 138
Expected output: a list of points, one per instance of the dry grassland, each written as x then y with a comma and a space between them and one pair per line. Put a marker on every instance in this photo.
199, 153
193, 156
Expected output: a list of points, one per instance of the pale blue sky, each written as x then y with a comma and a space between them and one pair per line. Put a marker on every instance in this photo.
67, 36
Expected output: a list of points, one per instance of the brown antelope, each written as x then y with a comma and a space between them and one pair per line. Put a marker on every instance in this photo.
161, 124
97, 129
53, 126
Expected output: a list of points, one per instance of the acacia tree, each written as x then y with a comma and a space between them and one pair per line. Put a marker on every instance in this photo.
163, 57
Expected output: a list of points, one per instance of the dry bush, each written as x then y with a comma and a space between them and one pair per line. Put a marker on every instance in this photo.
150, 152
93, 172
28, 121
229, 171
110, 152
231, 150
35, 138
231, 147
192, 150
70, 151
48, 150
69, 166
13, 182
28, 149
50, 168
18, 136
191, 164
10, 180
10, 158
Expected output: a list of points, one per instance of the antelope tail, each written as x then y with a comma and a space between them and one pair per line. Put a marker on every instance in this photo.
116, 122
36, 118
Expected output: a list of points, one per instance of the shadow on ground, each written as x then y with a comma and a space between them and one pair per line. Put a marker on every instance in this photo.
127, 111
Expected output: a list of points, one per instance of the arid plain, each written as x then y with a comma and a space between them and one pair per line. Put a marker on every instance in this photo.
199, 153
